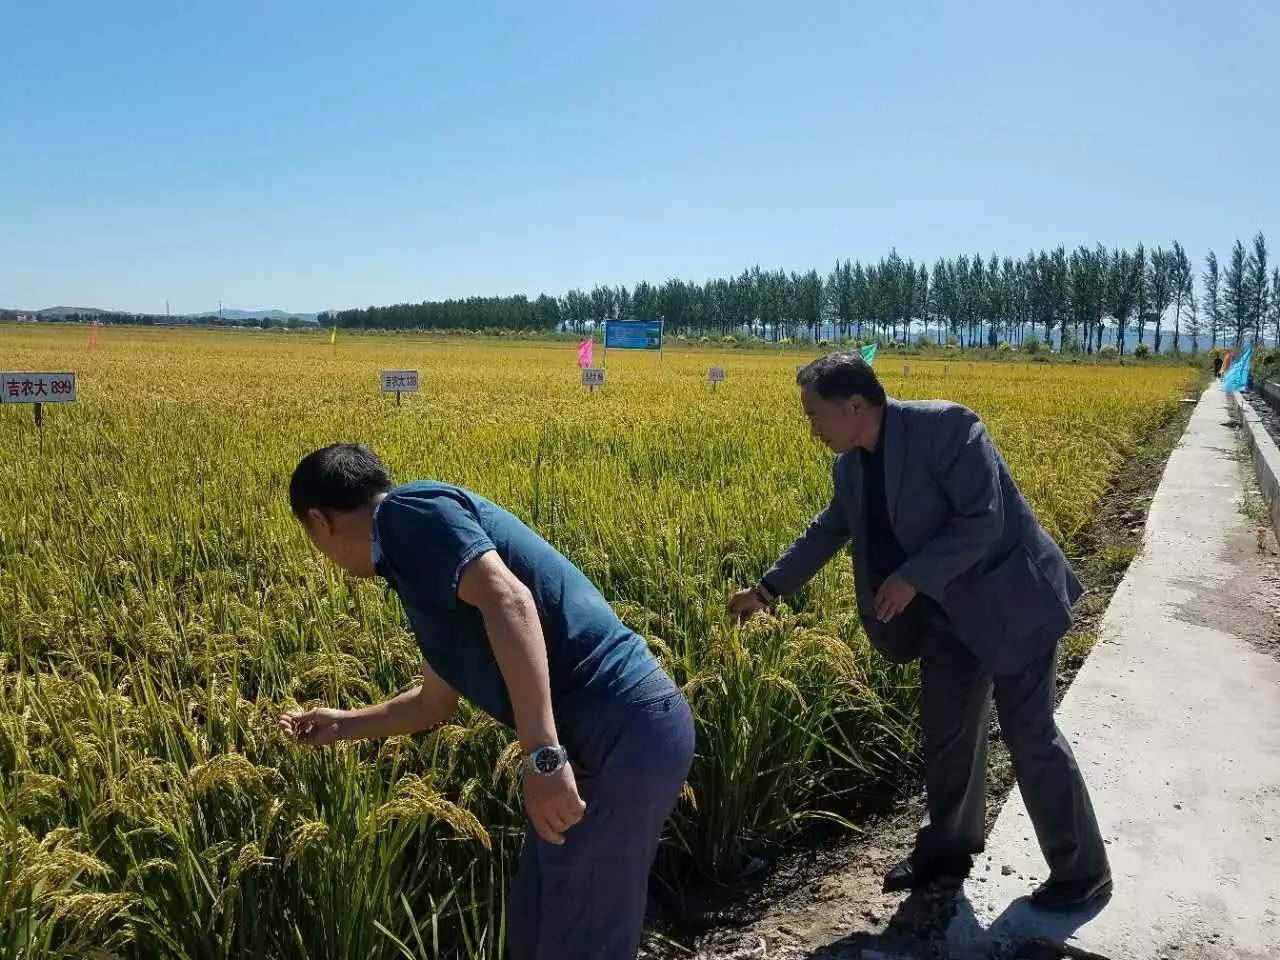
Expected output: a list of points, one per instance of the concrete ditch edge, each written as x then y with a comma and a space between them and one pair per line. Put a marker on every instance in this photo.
1264, 452
1271, 390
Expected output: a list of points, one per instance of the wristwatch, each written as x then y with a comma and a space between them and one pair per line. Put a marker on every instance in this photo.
545, 760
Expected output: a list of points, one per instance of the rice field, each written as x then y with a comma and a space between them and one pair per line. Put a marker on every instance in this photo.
159, 607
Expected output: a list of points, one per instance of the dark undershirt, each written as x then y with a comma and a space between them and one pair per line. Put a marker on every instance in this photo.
884, 553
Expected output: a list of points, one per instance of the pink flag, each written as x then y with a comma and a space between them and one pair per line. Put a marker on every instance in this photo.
586, 352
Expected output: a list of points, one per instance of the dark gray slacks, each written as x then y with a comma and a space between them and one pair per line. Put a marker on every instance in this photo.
585, 900
955, 701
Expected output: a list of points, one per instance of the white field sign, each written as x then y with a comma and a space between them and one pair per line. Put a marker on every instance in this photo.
715, 375
593, 377
399, 381
37, 387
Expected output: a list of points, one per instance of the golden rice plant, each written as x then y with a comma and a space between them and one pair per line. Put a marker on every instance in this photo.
159, 607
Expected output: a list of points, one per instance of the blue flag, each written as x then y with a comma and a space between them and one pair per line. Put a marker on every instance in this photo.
1237, 376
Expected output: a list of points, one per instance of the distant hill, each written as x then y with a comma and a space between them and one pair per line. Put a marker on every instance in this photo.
68, 311
54, 313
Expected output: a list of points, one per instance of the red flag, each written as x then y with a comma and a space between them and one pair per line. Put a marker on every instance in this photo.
586, 352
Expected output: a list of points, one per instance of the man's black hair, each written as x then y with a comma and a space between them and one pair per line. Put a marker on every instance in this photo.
340, 477
841, 375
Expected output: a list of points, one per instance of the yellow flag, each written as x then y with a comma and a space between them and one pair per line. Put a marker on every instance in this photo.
333, 337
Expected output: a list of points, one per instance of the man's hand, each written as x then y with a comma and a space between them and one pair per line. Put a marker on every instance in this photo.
313, 727
892, 598
745, 604
553, 803
418, 708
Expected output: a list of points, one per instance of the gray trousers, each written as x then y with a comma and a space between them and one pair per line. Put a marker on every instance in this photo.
955, 702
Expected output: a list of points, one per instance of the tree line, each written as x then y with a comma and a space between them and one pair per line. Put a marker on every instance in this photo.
1087, 298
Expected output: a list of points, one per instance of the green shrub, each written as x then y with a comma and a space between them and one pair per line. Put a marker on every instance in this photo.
1142, 351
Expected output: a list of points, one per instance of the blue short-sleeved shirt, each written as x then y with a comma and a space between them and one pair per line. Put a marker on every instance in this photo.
425, 534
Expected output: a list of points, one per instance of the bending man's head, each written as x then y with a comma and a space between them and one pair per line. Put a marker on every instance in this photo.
843, 400
332, 493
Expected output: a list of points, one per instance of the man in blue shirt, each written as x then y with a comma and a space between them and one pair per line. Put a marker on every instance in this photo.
506, 621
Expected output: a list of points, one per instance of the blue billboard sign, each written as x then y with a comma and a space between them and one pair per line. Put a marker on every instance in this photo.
633, 334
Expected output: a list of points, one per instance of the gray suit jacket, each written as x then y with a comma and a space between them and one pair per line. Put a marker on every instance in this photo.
972, 542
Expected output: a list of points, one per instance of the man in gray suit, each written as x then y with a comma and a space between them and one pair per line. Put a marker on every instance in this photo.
952, 567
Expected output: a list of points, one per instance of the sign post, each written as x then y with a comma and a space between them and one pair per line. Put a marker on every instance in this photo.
633, 335
592, 377
38, 389
399, 381
715, 375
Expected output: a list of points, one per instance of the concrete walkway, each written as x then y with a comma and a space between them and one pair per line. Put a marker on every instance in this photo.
1175, 720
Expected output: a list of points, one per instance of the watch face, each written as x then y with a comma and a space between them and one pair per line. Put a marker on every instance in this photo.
547, 760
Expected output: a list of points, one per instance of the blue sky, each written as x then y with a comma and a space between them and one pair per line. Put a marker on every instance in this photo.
335, 154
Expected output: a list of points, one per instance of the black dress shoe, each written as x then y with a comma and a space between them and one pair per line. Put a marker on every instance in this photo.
1065, 895
915, 871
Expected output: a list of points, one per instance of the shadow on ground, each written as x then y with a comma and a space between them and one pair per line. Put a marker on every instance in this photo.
1021, 932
